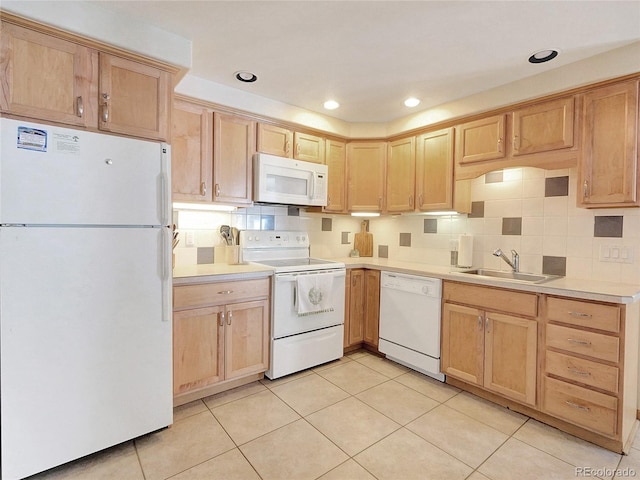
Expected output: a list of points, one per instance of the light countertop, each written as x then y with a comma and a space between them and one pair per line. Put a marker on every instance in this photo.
571, 287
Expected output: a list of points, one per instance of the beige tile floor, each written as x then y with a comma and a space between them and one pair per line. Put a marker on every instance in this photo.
359, 418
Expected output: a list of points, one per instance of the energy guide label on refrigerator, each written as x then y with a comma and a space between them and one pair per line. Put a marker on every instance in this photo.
66, 143
32, 139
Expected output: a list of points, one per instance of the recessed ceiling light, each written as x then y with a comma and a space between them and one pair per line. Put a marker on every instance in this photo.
412, 102
543, 56
246, 77
331, 104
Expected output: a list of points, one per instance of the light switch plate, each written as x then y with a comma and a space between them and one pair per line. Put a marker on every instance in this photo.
616, 254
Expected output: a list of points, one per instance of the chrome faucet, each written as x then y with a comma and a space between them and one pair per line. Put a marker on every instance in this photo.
514, 263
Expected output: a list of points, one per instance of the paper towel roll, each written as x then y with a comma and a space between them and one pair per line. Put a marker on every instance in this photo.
465, 250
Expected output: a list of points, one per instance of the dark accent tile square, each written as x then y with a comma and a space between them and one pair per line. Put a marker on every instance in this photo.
345, 238
383, 251
430, 225
267, 222
512, 226
405, 239
293, 211
608, 226
454, 257
494, 177
477, 210
327, 224
205, 255
554, 265
556, 186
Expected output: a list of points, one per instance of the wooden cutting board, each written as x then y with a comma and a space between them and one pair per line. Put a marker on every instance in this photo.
363, 242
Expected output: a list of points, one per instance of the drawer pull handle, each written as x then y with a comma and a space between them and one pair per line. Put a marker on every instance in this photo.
580, 314
579, 407
579, 372
578, 342
225, 292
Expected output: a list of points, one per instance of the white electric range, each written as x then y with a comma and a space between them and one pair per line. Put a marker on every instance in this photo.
307, 300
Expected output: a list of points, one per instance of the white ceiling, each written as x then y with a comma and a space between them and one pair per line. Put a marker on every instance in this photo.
371, 55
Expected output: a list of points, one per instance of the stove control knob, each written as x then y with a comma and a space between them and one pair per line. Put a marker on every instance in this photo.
257, 238
297, 238
304, 238
250, 238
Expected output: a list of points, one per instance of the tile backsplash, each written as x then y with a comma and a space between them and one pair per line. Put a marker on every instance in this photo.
529, 210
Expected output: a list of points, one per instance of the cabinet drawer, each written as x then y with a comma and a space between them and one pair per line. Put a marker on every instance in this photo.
584, 371
584, 314
592, 410
492, 298
592, 344
190, 296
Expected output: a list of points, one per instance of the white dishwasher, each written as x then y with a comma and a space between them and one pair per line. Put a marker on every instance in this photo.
410, 309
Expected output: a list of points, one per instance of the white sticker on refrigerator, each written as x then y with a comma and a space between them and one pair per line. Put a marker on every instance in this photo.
66, 143
32, 139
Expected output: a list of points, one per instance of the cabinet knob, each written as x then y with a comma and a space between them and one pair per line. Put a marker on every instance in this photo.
221, 315
217, 189
229, 317
585, 188
203, 188
500, 144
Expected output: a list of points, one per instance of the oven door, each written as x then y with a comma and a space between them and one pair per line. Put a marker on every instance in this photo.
286, 321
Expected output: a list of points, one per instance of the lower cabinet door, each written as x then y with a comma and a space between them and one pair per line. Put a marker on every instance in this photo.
510, 356
246, 338
462, 343
197, 348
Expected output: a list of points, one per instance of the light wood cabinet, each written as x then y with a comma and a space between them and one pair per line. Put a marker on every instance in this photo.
496, 351
362, 308
371, 308
354, 314
220, 336
135, 99
400, 175
608, 168
543, 127
191, 143
336, 159
434, 170
284, 142
48, 78
233, 149
584, 365
212, 155
366, 176
481, 140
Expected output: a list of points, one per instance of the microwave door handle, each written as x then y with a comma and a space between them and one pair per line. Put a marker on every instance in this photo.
313, 185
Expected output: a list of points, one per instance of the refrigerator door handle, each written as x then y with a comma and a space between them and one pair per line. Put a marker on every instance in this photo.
165, 273
165, 185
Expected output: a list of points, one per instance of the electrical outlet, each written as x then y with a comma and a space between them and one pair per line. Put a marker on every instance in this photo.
616, 254
190, 239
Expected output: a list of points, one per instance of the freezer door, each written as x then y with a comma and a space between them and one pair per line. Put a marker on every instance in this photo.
52, 175
85, 341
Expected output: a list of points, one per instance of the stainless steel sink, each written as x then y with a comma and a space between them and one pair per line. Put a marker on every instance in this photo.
515, 276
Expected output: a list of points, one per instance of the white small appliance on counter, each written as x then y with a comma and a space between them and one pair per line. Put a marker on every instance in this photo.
288, 181
307, 300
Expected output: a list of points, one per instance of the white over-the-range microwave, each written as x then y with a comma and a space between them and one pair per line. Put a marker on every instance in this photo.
288, 181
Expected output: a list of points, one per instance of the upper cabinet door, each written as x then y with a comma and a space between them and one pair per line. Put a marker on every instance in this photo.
481, 140
234, 138
309, 148
274, 140
191, 156
434, 170
544, 127
365, 176
336, 163
134, 98
47, 78
401, 174
608, 168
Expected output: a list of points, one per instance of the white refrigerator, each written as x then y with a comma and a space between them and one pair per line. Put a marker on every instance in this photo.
85, 293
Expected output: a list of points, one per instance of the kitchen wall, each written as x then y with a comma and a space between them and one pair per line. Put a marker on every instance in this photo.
529, 210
